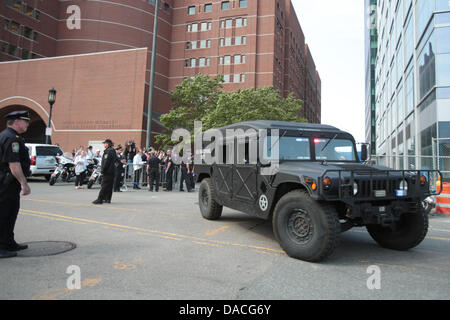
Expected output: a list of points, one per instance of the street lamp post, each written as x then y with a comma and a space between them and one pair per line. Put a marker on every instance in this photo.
152, 77
51, 101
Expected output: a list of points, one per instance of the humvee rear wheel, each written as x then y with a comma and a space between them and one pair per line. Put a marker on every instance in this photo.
209, 208
407, 233
304, 228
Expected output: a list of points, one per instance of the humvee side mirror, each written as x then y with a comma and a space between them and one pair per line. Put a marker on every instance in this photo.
364, 152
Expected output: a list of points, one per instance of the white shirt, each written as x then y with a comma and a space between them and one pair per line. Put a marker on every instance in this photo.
80, 164
137, 162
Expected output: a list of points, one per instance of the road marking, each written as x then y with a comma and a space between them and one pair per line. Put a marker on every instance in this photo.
54, 294
427, 237
206, 244
216, 231
106, 206
168, 235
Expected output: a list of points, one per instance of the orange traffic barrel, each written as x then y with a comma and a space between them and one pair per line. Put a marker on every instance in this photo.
443, 200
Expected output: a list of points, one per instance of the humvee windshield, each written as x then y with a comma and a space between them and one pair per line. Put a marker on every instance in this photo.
334, 149
298, 148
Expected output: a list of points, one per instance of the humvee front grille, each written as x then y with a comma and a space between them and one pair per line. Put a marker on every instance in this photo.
377, 185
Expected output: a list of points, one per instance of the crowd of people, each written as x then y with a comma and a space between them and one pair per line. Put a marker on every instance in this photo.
149, 168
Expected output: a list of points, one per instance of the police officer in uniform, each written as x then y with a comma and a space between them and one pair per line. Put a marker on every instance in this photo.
153, 171
169, 170
14, 168
109, 163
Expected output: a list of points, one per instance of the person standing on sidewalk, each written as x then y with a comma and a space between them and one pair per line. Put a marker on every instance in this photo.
153, 170
109, 162
137, 168
14, 170
80, 169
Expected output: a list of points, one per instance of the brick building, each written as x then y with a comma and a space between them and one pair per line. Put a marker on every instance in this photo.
101, 70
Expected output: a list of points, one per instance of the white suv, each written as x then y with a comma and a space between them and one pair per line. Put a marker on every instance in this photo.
43, 159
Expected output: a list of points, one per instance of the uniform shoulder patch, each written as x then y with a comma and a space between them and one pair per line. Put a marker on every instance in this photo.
15, 147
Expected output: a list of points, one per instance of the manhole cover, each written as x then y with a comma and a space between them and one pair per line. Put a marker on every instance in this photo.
45, 248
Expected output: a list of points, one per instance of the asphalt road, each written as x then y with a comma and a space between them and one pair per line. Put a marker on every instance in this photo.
157, 246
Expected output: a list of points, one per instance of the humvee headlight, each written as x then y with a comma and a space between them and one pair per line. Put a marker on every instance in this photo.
355, 188
403, 185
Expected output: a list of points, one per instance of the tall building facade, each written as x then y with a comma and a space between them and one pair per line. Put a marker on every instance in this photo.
253, 43
412, 83
371, 47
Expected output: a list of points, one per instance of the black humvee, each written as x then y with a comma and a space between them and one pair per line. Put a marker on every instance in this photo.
319, 189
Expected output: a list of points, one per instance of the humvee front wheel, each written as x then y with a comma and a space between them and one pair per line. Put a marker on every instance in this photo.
209, 208
304, 228
407, 233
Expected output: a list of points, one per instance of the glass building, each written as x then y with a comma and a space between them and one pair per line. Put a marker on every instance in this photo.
371, 46
412, 84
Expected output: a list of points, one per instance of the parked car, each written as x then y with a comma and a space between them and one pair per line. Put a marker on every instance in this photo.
43, 159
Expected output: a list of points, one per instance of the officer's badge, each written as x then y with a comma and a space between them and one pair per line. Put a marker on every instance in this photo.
15, 147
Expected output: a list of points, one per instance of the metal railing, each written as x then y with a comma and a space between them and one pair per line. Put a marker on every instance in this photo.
129, 179
414, 162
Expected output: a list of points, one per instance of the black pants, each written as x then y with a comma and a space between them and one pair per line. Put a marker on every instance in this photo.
10, 205
185, 177
169, 179
137, 175
107, 187
153, 173
79, 179
118, 179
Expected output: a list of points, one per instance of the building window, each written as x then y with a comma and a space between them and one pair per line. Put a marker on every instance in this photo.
4, 46
236, 78
240, 40
226, 78
166, 7
227, 60
242, 3
193, 63
228, 23
152, 2
191, 10
28, 33
194, 27
37, 15
241, 22
14, 27
12, 50
208, 7
35, 36
225, 5
25, 54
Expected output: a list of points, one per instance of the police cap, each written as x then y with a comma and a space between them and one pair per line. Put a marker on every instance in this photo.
19, 115
108, 141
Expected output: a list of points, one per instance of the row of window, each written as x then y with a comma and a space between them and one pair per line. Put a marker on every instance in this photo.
229, 41
24, 8
13, 50
223, 42
223, 60
224, 24
15, 27
207, 8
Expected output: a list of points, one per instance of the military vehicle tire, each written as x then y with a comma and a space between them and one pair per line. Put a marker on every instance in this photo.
305, 229
409, 231
209, 208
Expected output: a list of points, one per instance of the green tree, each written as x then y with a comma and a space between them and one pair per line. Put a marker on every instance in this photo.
201, 99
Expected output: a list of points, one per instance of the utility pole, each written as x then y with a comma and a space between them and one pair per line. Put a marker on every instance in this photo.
152, 77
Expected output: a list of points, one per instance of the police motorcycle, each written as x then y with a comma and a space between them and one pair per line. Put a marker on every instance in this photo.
429, 204
96, 174
64, 169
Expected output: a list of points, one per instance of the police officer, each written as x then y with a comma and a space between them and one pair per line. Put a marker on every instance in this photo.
186, 173
169, 170
14, 168
109, 163
153, 170
119, 170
